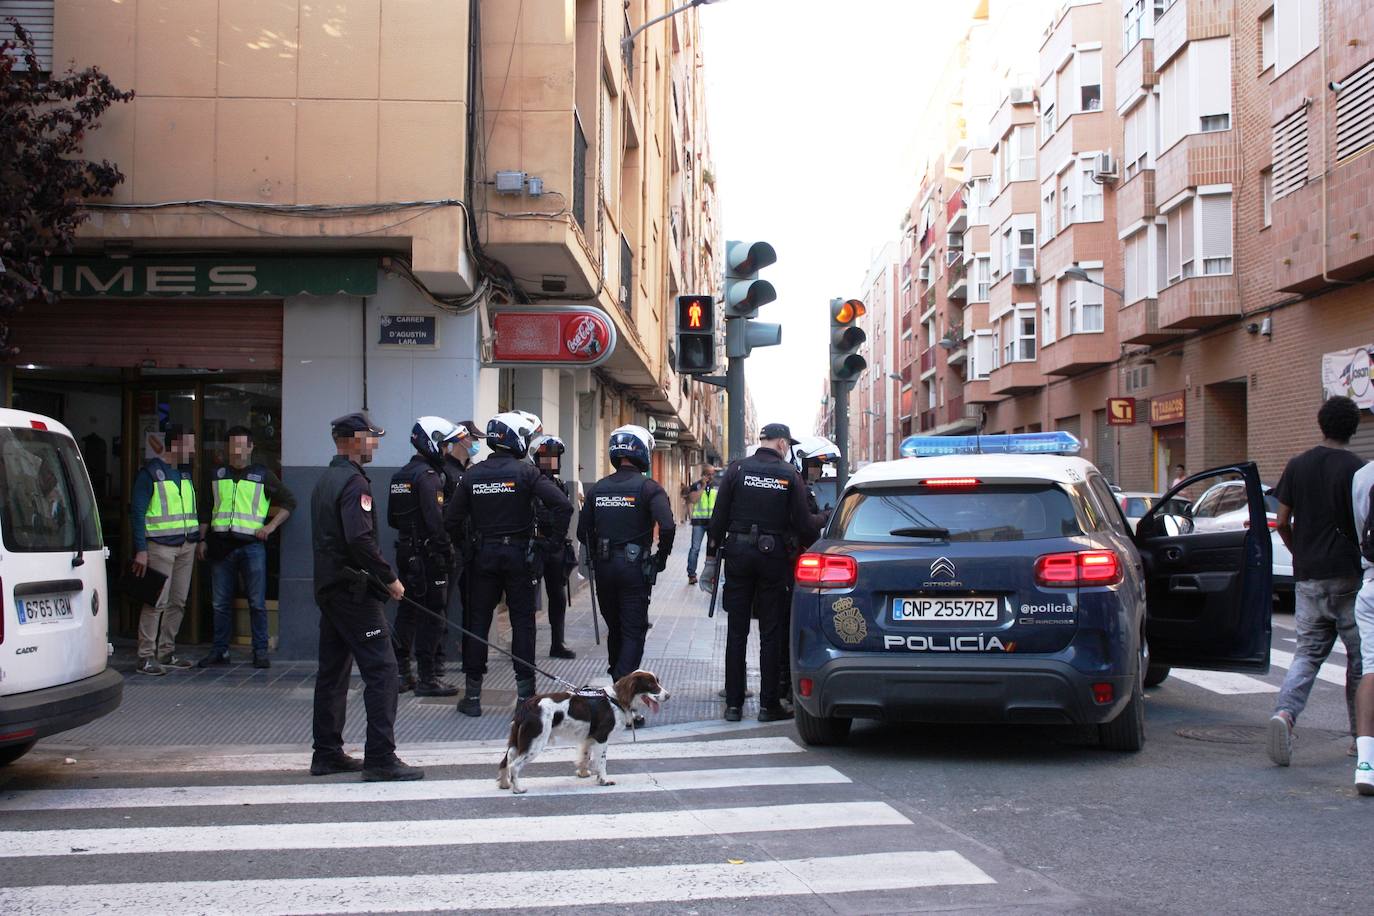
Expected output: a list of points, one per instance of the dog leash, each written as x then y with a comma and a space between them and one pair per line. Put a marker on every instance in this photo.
466, 632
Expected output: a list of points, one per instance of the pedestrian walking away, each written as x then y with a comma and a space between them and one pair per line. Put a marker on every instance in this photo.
458, 458
424, 556
617, 528
1316, 520
165, 530
244, 504
353, 625
496, 504
701, 501
1362, 502
558, 558
761, 518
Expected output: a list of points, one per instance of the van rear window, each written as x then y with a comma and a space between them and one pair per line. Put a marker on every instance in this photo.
46, 503
984, 513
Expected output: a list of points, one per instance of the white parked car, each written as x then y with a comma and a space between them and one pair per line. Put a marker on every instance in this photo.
1222, 508
54, 602
1134, 505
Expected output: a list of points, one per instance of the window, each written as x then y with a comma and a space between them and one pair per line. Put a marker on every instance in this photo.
1195, 91
1355, 112
1199, 237
980, 199
1212, 123
996, 345
982, 278
1047, 207
1295, 30
1266, 24
980, 356
1179, 222
1137, 267
1026, 248
1267, 192
1072, 317
36, 16
1091, 311
1133, 12
1048, 293
1025, 334
1006, 250
1048, 123
1290, 153
1069, 209
1018, 154
47, 504
1214, 212
1089, 80
1014, 512
1091, 209
1137, 139
1161, 255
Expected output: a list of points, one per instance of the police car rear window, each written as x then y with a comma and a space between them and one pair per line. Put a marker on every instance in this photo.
987, 513
46, 503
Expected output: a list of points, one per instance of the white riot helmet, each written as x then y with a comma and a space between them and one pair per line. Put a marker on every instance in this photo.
815, 449
633, 442
429, 435
510, 432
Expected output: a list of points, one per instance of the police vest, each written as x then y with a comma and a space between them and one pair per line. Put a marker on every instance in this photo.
453, 475
763, 496
240, 505
543, 515
620, 512
403, 504
172, 510
500, 497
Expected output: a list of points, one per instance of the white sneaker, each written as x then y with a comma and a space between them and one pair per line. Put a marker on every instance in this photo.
1364, 778
1280, 739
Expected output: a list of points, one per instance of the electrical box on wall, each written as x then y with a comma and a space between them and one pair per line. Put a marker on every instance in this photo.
510, 182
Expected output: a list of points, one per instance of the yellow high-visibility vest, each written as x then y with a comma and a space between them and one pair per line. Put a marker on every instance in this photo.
240, 505
172, 510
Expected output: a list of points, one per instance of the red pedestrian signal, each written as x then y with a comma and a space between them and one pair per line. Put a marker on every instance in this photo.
696, 335
696, 313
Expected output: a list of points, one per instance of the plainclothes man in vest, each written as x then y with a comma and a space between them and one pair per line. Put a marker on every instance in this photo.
424, 555
617, 525
243, 504
761, 516
496, 502
458, 457
558, 556
165, 530
353, 625
701, 499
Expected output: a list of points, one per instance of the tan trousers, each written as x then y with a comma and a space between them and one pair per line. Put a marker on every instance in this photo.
158, 626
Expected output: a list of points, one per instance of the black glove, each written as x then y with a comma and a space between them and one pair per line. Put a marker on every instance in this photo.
660, 561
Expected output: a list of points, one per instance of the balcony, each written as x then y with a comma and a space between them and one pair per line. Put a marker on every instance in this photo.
1016, 378
1135, 73
927, 361
1017, 197
1078, 353
927, 238
927, 304
906, 321
954, 410
979, 391
1297, 230
1138, 323
956, 279
928, 419
1197, 160
1135, 199
1199, 302
956, 214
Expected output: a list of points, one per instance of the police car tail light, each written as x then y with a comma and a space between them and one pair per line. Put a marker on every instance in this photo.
805, 686
826, 570
951, 483
1083, 568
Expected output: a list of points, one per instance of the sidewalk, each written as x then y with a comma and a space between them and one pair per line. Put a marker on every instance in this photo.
241, 705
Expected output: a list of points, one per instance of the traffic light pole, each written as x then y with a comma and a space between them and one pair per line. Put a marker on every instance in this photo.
839, 397
734, 391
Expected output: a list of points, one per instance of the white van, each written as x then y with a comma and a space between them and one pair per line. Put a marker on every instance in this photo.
54, 602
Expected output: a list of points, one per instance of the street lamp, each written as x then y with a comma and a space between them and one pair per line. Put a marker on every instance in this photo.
629, 39
1077, 273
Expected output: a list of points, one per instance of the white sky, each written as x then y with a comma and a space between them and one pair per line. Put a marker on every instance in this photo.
813, 107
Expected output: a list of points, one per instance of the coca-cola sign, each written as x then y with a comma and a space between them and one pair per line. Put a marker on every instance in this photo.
562, 335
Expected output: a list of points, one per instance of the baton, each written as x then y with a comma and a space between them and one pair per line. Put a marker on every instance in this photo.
591, 582
715, 584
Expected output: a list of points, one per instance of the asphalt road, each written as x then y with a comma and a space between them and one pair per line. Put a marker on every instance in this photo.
714, 819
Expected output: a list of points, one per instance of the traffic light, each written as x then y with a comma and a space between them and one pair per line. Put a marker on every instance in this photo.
845, 339
696, 335
744, 291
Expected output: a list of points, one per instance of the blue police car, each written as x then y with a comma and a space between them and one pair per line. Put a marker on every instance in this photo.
995, 579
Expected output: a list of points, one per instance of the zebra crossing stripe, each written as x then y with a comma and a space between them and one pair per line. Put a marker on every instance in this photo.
1328, 672
459, 832
323, 792
1223, 682
598, 886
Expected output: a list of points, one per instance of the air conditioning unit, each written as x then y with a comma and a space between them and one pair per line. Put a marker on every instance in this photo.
1021, 95
1023, 276
1104, 167
924, 273
954, 240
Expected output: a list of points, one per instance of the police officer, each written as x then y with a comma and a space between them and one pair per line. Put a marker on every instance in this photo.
458, 455
424, 555
617, 526
496, 501
761, 516
547, 452
353, 626
810, 456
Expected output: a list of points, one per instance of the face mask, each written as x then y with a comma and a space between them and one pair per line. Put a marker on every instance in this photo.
473, 449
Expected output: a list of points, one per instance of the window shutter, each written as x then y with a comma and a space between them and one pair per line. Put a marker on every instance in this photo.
1187, 239
1216, 225
36, 18
1290, 153
1355, 112
1211, 61
1175, 235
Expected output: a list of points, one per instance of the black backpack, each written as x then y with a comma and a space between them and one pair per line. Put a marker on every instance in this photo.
1367, 535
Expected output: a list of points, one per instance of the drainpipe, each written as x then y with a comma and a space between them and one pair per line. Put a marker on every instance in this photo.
1325, 90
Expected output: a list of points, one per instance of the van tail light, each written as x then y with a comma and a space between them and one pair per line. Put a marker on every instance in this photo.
827, 570
39, 425
1081, 569
951, 483
1273, 524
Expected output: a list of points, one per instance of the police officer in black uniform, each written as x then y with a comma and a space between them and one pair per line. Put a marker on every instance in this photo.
458, 455
424, 556
349, 574
761, 516
496, 500
617, 527
558, 558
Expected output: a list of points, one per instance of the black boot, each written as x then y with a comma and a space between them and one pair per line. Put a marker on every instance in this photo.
407, 675
430, 685
471, 703
561, 651
524, 689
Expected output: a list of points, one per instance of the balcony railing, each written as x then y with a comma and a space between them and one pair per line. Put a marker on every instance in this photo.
927, 360
956, 203
928, 300
927, 239
928, 420
954, 410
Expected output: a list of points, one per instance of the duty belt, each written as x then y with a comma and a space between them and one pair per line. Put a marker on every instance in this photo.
505, 540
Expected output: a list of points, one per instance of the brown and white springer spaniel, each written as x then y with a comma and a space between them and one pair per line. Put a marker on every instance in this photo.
589, 716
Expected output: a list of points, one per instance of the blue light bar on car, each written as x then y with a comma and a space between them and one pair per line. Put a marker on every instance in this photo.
1056, 443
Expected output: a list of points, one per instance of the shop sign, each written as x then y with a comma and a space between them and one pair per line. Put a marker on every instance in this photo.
1169, 408
666, 432
1346, 372
149, 277
1120, 411
568, 335
409, 331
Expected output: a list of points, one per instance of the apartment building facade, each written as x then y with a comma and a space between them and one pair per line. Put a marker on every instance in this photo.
1173, 203
326, 207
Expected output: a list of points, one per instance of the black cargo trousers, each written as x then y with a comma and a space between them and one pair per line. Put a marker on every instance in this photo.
353, 627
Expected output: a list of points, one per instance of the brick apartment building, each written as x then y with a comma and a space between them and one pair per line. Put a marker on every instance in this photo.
1208, 164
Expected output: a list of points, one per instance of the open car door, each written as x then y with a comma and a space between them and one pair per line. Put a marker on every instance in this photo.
1208, 593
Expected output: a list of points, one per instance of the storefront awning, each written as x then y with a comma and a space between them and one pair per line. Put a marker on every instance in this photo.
146, 277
